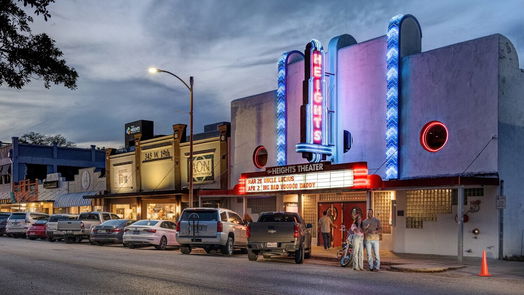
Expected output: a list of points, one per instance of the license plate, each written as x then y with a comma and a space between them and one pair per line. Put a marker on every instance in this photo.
272, 245
136, 232
202, 227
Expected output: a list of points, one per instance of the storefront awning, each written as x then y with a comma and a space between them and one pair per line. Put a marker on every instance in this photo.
73, 200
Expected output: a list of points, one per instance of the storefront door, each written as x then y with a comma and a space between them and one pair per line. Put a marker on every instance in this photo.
341, 214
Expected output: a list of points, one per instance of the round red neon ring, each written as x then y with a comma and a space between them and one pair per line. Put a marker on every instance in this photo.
258, 157
429, 130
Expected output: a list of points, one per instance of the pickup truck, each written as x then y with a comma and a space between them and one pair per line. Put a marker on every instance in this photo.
279, 233
77, 230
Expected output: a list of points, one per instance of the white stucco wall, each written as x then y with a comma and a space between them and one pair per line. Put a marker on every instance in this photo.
362, 101
456, 85
252, 124
511, 145
440, 237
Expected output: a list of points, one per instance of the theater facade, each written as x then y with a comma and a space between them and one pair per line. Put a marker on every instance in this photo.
430, 140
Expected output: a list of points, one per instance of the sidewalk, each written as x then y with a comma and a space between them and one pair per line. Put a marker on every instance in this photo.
432, 263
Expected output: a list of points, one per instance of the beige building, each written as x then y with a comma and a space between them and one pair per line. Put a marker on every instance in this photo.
151, 179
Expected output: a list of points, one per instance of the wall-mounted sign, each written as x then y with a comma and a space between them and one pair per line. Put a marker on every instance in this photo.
305, 177
306, 181
156, 155
132, 129
316, 144
86, 180
51, 184
203, 168
123, 177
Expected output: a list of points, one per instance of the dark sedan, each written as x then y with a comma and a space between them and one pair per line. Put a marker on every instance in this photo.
109, 232
3, 222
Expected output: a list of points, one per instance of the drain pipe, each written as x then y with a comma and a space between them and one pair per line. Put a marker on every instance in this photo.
501, 223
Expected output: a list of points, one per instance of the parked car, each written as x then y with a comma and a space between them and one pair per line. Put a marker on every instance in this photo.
211, 229
18, 223
3, 222
52, 226
279, 233
110, 232
158, 233
80, 229
37, 230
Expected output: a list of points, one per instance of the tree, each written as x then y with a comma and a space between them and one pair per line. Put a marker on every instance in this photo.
41, 139
24, 56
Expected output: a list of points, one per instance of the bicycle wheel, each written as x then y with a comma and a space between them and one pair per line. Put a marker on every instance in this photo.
345, 260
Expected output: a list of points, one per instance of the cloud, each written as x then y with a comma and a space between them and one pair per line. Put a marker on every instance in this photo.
230, 47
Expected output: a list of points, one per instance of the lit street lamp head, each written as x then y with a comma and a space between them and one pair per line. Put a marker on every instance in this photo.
153, 70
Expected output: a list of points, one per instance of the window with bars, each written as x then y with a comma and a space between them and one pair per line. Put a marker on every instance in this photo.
425, 205
382, 209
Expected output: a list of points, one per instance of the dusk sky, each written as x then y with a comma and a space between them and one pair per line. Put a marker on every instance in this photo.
230, 47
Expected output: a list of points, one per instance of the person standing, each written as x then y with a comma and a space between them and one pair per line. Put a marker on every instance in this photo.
372, 230
358, 243
326, 224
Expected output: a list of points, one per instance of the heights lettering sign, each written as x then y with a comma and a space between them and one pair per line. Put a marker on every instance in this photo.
305, 177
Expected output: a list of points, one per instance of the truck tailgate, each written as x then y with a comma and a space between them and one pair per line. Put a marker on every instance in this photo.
72, 225
272, 232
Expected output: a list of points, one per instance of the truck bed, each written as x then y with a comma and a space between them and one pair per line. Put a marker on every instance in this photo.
272, 232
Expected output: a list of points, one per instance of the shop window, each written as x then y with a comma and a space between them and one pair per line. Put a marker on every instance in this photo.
259, 205
162, 211
260, 157
434, 136
474, 192
426, 205
382, 209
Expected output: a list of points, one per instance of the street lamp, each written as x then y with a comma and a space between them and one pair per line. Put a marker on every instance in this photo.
153, 70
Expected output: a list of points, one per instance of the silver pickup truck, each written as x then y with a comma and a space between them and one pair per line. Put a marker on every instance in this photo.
279, 233
77, 230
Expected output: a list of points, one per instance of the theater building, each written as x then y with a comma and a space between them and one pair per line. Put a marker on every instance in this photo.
431, 140
149, 179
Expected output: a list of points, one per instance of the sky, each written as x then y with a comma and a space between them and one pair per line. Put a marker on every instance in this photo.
231, 47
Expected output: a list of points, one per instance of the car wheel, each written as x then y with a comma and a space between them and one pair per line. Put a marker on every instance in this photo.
208, 249
307, 255
228, 248
299, 255
50, 239
252, 256
131, 246
69, 240
125, 245
32, 238
185, 249
163, 244
78, 239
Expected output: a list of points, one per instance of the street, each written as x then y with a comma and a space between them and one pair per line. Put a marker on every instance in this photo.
41, 267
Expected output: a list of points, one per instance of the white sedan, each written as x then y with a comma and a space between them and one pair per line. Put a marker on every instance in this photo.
158, 233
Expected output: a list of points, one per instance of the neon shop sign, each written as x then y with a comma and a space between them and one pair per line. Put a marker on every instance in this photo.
317, 96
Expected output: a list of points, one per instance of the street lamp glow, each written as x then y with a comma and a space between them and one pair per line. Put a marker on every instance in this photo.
153, 70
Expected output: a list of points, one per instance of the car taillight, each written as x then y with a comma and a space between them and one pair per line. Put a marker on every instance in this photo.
126, 230
150, 230
178, 226
116, 230
220, 227
296, 232
248, 231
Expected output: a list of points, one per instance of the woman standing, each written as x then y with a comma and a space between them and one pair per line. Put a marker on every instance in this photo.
358, 243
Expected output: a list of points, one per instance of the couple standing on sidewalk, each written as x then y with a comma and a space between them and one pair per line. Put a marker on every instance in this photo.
369, 229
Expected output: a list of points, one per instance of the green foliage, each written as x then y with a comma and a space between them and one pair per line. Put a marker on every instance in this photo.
24, 56
41, 139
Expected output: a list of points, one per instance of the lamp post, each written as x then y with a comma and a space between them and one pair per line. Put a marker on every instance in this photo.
190, 88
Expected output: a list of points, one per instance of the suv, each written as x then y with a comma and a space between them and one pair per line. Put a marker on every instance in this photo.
3, 222
211, 229
52, 226
18, 223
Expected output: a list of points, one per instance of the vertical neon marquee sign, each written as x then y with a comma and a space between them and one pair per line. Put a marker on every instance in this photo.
318, 97
314, 133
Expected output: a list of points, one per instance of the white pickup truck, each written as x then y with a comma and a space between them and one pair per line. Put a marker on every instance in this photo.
80, 229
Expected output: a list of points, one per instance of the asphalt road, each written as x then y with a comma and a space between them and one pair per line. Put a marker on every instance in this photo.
41, 267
